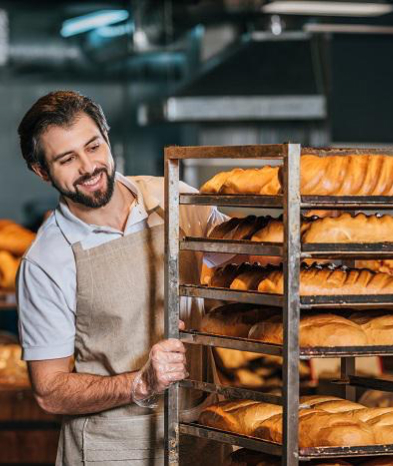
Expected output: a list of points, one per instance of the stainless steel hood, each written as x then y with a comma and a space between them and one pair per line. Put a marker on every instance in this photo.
263, 77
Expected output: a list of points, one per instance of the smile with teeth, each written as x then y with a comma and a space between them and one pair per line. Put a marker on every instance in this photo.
92, 181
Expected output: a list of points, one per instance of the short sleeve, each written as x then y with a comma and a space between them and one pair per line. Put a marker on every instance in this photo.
46, 322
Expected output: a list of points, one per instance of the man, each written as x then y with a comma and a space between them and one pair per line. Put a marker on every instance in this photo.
91, 286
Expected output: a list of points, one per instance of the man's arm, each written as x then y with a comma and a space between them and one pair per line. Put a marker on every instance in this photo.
59, 391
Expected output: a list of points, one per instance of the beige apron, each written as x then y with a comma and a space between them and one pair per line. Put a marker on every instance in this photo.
119, 317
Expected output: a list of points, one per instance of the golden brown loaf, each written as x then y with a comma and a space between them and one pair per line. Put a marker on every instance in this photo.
382, 265
234, 359
331, 281
238, 228
351, 175
224, 276
378, 326
233, 319
323, 421
315, 330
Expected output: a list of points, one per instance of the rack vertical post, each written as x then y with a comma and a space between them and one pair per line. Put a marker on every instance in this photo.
171, 418
291, 308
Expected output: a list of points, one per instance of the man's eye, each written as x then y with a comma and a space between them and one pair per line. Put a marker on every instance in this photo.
94, 148
65, 161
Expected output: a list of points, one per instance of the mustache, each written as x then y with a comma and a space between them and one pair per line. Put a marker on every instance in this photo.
88, 177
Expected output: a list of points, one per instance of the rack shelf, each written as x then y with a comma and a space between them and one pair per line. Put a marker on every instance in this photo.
306, 302
307, 202
199, 338
272, 448
308, 250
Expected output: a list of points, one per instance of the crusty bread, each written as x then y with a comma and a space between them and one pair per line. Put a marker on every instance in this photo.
222, 415
378, 326
315, 330
237, 416
249, 279
224, 276
323, 421
367, 414
382, 427
377, 265
233, 319
350, 175
331, 281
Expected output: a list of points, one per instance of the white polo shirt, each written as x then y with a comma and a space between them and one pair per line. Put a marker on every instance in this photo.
46, 283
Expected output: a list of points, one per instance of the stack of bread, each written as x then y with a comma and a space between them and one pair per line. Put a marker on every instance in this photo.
333, 175
244, 457
314, 280
14, 241
344, 228
323, 421
366, 328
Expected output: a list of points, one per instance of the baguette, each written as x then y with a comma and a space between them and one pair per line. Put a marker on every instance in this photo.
383, 428
335, 175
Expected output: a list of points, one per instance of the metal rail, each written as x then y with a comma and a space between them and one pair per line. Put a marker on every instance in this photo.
307, 202
308, 250
231, 392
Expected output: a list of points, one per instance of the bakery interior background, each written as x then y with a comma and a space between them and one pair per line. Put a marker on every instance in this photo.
195, 73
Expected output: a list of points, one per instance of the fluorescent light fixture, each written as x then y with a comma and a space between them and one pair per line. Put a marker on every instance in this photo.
91, 21
327, 8
115, 31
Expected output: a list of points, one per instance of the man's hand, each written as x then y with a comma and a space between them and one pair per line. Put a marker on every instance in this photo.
166, 364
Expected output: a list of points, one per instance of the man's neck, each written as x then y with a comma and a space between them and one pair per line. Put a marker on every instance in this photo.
114, 214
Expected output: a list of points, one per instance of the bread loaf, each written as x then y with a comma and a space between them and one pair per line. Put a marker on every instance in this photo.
315, 330
238, 228
233, 416
333, 405
367, 414
382, 427
335, 175
233, 319
331, 281
224, 276
382, 265
378, 326
234, 359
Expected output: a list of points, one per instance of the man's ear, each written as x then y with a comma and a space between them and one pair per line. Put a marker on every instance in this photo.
41, 171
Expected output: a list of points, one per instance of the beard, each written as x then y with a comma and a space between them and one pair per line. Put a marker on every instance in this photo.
96, 199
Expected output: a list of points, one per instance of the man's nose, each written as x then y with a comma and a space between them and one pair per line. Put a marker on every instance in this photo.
86, 165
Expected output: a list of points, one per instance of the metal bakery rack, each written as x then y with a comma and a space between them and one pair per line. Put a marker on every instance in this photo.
292, 252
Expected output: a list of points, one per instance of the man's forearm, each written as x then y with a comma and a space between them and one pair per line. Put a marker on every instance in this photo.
71, 393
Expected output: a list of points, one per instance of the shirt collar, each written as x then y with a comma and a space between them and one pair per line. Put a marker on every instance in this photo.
75, 230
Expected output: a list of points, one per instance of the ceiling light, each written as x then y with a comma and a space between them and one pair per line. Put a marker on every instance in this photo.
327, 8
91, 21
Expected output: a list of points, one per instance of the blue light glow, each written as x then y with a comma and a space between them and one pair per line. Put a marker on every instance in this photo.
91, 21
115, 31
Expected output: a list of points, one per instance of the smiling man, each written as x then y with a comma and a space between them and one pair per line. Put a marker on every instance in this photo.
90, 290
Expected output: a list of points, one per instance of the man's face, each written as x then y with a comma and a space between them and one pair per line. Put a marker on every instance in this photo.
79, 162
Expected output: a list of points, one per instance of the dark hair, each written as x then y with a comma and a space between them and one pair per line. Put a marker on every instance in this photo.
58, 108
